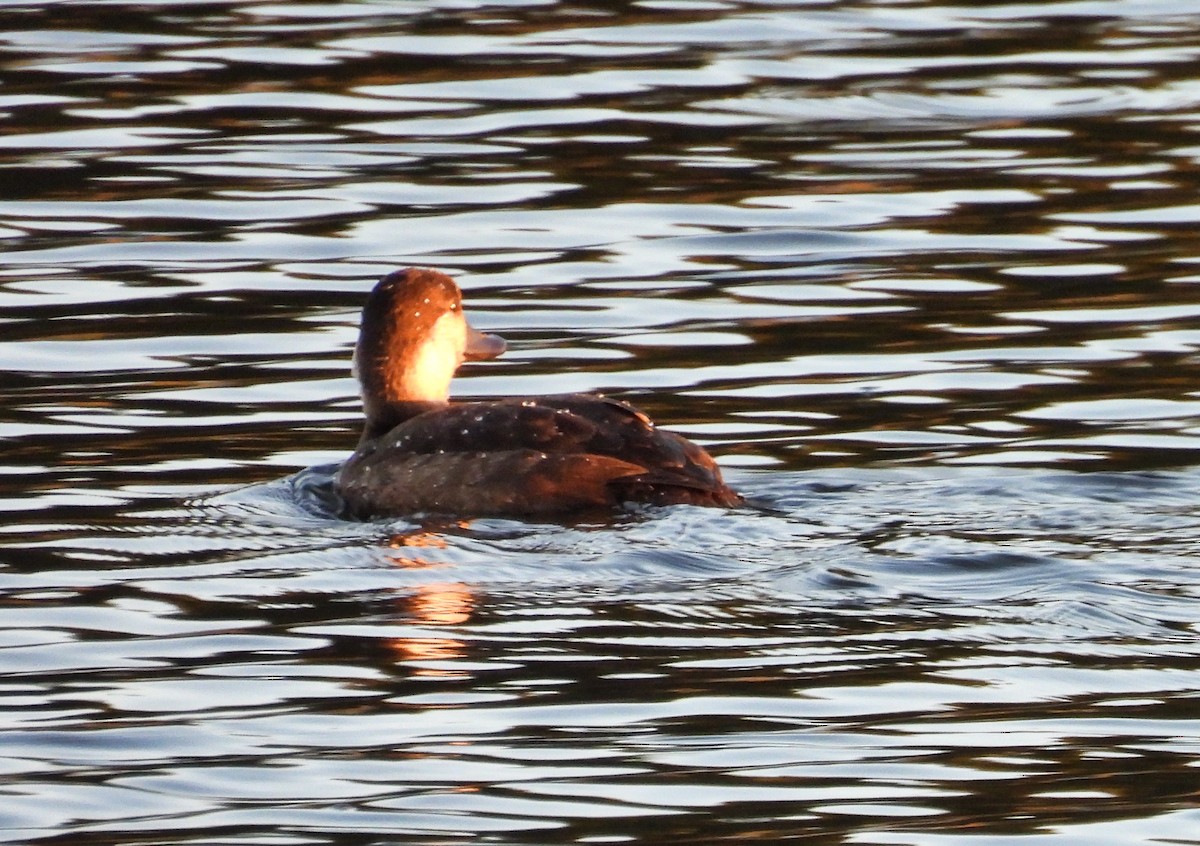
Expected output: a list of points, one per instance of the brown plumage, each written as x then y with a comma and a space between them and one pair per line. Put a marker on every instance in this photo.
539, 456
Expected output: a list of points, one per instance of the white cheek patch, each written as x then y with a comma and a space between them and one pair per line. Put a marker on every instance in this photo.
429, 374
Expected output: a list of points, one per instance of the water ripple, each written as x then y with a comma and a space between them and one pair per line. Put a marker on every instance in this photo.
920, 276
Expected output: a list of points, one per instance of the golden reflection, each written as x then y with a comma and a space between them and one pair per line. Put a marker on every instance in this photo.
444, 603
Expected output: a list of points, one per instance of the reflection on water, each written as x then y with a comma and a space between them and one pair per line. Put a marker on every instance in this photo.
922, 276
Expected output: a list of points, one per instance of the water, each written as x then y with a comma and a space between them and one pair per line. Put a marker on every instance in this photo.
922, 276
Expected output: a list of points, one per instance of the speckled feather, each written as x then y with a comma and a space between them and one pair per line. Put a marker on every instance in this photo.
536, 456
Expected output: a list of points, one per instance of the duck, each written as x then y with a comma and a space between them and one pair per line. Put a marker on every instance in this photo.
420, 453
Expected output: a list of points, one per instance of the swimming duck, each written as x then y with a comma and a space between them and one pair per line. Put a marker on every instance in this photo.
511, 457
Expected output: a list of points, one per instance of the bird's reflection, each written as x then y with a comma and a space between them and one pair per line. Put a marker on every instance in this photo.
437, 603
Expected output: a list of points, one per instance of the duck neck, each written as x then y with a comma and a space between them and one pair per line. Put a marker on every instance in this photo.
392, 396
403, 377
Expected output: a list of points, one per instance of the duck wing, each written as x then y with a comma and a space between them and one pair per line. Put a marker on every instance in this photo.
544, 455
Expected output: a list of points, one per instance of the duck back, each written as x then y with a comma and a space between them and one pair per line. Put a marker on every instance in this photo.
549, 455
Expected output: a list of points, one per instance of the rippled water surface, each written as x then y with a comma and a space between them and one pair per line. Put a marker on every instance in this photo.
923, 277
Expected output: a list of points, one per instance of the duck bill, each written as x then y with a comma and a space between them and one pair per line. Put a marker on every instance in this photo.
481, 346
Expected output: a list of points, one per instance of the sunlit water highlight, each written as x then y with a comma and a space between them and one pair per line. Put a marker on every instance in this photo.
921, 276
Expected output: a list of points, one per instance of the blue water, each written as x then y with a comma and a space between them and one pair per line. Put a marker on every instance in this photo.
922, 277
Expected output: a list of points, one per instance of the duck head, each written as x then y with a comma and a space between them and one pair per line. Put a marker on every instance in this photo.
413, 338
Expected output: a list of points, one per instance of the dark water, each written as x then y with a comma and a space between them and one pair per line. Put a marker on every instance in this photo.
923, 277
